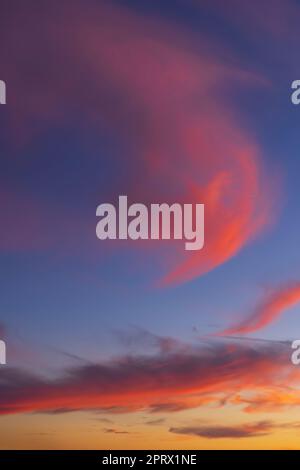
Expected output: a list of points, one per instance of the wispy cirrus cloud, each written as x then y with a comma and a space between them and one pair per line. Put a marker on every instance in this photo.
161, 91
270, 400
269, 309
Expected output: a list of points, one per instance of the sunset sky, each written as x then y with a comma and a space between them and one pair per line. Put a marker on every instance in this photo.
141, 344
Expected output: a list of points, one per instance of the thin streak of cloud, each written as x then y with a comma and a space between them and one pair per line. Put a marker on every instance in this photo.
269, 309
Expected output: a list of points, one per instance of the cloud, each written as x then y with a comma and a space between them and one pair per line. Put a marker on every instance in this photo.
115, 431
163, 382
273, 40
270, 308
155, 422
261, 428
169, 407
268, 401
239, 431
137, 338
160, 91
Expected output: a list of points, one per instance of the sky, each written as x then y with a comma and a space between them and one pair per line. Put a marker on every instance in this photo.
141, 344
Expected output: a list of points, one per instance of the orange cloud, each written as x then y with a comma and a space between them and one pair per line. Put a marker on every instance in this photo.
269, 401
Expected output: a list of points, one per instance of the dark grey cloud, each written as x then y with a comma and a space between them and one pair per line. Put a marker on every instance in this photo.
155, 422
230, 432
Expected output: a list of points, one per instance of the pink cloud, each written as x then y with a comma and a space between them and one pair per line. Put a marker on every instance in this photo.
161, 90
268, 310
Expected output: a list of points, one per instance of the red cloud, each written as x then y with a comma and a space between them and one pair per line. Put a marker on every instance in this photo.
161, 90
163, 382
270, 308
